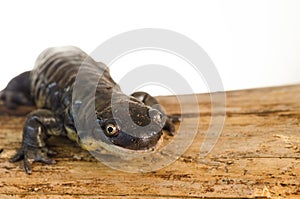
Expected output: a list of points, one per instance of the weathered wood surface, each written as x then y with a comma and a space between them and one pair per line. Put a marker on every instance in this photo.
257, 156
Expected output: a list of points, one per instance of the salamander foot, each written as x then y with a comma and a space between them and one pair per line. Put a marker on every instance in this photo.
33, 154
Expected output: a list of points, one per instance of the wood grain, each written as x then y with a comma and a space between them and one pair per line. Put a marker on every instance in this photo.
256, 156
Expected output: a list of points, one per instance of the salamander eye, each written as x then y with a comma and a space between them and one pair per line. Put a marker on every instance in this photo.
111, 130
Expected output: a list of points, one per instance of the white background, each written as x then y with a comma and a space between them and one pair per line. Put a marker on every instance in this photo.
252, 43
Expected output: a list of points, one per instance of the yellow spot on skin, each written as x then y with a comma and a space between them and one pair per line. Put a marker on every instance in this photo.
72, 135
90, 144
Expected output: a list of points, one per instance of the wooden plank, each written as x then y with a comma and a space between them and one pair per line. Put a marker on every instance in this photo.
256, 156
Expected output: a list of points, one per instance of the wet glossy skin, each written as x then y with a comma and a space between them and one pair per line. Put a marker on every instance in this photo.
134, 131
125, 121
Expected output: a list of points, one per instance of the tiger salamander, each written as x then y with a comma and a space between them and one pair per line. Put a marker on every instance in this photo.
49, 87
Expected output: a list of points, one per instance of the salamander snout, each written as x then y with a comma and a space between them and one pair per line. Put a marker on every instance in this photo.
157, 117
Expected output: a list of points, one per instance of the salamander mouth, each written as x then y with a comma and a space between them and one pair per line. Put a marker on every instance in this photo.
130, 142
148, 148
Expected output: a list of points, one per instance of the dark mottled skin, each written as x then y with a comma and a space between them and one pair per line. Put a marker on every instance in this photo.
49, 86
15, 93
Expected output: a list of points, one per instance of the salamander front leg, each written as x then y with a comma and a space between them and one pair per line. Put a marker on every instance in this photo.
151, 101
39, 126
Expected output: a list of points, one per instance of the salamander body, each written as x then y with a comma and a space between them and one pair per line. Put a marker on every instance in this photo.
50, 87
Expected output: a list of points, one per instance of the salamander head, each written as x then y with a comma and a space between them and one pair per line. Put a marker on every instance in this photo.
131, 125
